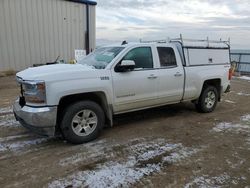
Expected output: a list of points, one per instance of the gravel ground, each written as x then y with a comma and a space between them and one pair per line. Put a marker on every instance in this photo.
172, 146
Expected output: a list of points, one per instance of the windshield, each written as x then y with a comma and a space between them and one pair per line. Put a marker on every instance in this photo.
101, 57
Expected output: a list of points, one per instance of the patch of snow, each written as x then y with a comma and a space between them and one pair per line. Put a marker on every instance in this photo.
95, 151
209, 182
246, 118
224, 127
244, 77
180, 154
243, 178
228, 101
16, 146
6, 110
80, 157
144, 158
243, 94
108, 175
8, 121
149, 150
9, 138
236, 165
236, 128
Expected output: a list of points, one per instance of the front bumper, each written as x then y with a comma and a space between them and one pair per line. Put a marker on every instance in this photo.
41, 120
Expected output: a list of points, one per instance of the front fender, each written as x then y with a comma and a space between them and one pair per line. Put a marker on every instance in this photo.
57, 90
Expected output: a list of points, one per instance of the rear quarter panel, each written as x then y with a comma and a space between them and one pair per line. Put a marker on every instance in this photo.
197, 75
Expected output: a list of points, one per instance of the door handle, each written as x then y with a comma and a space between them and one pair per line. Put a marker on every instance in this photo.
178, 74
152, 76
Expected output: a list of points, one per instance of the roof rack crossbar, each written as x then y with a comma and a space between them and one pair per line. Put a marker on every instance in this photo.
151, 41
182, 40
200, 40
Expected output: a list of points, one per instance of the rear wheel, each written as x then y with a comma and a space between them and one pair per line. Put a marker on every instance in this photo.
82, 122
208, 100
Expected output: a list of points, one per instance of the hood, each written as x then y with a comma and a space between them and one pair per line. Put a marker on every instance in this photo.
56, 72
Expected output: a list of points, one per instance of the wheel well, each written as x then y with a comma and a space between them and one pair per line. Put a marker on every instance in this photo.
216, 83
98, 97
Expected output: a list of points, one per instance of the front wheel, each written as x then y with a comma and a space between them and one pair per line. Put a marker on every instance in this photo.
208, 100
82, 122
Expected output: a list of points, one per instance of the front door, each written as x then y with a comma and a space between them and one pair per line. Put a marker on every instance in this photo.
136, 89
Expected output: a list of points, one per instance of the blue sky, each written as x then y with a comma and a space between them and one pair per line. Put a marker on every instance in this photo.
132, 20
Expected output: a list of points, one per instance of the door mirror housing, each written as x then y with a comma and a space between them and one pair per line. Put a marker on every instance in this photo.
125, 66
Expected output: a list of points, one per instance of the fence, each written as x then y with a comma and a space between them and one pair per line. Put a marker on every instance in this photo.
242, 61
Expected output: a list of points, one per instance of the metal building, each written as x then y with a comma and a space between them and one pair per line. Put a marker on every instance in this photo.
38, 31
242, 60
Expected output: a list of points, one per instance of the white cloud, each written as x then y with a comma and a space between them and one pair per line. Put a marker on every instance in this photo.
134, 19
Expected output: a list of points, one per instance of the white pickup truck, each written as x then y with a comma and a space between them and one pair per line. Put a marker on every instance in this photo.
78, 100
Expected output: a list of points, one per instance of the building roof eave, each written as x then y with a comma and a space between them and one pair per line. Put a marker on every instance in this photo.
87, 2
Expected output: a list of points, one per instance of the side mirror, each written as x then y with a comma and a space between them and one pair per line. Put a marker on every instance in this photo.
126, 65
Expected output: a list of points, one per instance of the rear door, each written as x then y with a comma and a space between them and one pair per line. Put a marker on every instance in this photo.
170, 74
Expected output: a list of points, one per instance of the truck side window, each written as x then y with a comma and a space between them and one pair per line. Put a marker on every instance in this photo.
167, 56
142, 56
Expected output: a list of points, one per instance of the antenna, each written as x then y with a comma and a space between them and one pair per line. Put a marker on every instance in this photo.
181, 38
124, 42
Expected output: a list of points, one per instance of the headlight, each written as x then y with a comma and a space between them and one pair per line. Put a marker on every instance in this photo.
34, 92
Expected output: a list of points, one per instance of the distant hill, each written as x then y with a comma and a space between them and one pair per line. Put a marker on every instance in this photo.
240, 51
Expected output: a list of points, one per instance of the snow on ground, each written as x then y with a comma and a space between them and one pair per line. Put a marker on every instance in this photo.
141, 159
214, 182
110, 174
244, 126
7, 118
246, 118
225, 127
6, 144
6, 110
243, 94
14, 143
8, 121
237, 161
228, 101
10, 138
244, 77
95, 150
180, 154
235, 165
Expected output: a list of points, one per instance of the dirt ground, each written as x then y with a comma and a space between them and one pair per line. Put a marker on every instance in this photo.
172, 146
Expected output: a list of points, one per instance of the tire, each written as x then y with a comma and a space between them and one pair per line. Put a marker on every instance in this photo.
82, 122
208, 100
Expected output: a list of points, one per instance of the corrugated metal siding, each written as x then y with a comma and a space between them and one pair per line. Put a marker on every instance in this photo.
244, 67
242, 58
37, 31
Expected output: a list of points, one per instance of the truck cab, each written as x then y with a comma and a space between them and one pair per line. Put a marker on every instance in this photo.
157, 77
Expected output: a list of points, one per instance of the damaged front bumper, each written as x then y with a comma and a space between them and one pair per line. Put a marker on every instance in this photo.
41, 120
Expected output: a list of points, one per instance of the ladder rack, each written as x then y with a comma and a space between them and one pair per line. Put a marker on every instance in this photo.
184, 40
157, 41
